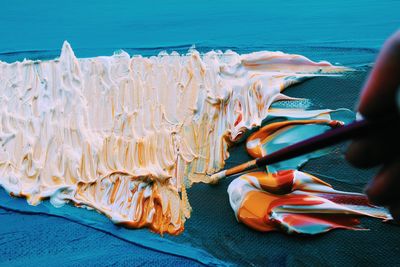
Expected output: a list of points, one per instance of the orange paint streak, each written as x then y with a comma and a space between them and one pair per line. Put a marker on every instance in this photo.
161, 222
295, 200
238, 120
238, 110
141, 155
115, 189
299, 185
257, 207
146, 210
277, 183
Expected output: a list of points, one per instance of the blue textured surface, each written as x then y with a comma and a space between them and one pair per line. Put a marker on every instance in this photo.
349, 32
147, 27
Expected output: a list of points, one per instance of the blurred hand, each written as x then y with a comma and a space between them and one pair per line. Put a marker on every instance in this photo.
380, 98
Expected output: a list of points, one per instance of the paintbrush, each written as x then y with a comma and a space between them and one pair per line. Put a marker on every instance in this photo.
353, 130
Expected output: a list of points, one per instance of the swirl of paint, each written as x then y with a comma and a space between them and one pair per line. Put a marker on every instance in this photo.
297, 202
290, 200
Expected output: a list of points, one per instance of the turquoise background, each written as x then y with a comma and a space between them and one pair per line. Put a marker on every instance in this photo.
346, 32
37, 29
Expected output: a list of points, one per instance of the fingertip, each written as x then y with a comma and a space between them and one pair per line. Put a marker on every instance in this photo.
385, 186
395, 212
398, 100
375, 191
358, 154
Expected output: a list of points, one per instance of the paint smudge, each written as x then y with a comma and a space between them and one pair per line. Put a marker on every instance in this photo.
285, 199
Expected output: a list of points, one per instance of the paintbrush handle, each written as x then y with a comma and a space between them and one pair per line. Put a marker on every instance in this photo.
356, 129
353, 130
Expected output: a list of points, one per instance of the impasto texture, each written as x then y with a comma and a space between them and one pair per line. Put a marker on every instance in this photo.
126, 135
108, 141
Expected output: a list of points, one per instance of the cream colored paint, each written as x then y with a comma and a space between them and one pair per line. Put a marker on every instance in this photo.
70, 128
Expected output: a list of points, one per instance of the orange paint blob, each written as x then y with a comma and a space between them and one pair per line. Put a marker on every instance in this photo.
296, 202
252, 212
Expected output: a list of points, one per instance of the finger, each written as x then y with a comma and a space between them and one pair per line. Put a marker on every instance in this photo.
394, 209
368, 152
379, 94
374, 150
384, 188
